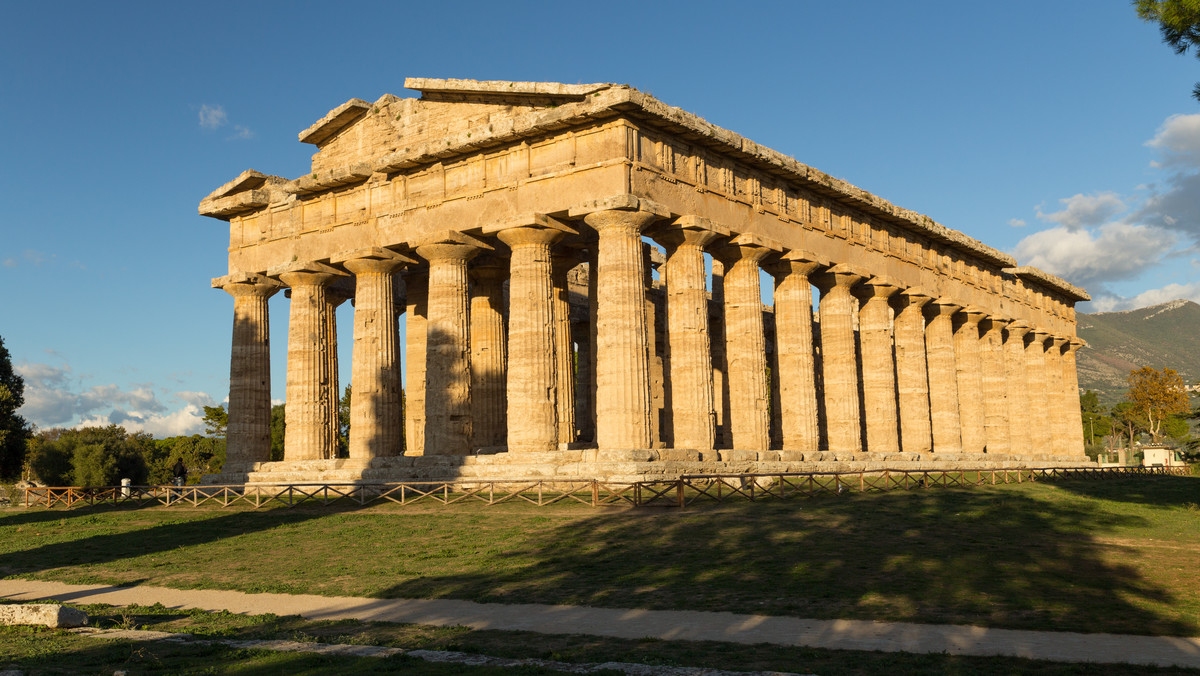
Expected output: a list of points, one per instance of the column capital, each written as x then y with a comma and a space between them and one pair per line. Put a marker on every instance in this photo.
795, 261
450, 245
529, 229
694, 231
912, 297
941, 307
875, 287
839, 275
746, 246
1076, 343
488, 268
374, 259
1018, 329
1059, 341
243, 284
309, 273
990, 323
970, 315
626, 202
1038, 335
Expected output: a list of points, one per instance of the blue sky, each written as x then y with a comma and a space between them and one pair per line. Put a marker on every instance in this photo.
1062, 132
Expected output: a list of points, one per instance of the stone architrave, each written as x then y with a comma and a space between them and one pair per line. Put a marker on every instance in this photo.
969, 368
943, 377
1020, 439
745, 342
912, 372
1057, 403
416, 311
1074, 419
623, 399
248, 433
447, 341
564, 351
532, 364
307, 414
995, 386
875, 337
839, 360
690, 381
795, 356
375, 410
489, 353
1040, 388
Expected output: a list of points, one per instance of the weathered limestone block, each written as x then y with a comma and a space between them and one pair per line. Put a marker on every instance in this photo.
839, 361
995, 390
943, 377
42, 615
912, 373
248, 433
878, 364
796, 362
489, 353
448, 349
969, 366
308, 412
416, 312
1019, 436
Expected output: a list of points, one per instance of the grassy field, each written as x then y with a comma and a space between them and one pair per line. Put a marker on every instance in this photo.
43, 651
1118, 556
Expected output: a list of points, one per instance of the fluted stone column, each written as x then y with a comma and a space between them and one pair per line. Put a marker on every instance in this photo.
1020, 439
795, 358
448, 347
1039, 387
532, 365
1074, 417
307, 411
248, 432
375, 412
1057, 404
995, 386
723, 437
912, 372
839, 361
416, 311
745, 344
333, 395
943, 377
564, 351
623, 400
969, 366
690, 381
878, 365
489, 354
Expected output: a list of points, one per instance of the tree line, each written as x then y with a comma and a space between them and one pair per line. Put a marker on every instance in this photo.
1157, 407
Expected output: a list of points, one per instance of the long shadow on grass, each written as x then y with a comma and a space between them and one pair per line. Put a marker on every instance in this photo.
987, 556
1159, 491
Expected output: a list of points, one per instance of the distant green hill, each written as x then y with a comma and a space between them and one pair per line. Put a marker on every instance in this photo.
1160, 336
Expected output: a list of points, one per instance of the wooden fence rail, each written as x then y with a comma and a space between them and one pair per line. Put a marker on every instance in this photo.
681, 492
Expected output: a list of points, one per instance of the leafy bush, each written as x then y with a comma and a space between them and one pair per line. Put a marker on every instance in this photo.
90, 456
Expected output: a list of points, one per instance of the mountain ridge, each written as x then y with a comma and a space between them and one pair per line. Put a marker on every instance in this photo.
1166, 335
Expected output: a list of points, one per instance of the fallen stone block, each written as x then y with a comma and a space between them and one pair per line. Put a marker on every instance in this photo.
42, 614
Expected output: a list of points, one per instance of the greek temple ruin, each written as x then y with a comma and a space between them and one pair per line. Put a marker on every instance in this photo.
579, 272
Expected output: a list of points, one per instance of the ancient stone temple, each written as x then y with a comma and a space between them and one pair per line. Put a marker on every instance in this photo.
578, 271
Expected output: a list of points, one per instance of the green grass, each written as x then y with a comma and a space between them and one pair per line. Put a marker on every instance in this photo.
46, 651
1119, 556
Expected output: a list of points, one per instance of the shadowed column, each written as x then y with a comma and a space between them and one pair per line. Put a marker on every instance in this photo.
912, 371
969, 367
561, 265
1038, 385
995, 389
690, 381
489, 354
307, 412
716, 330
878, 365
375, 412
794, 349
416, 296
448, 348
334, 297
1074, 424
248, 432
839, 361
745, 344
1018, 393
1057, 413
943, 379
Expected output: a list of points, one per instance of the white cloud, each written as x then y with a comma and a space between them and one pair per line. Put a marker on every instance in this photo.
185, 421
1178, 140
213, 117
241, 132
1017, 222
195, 398
1085, 211
1147, 298
1113, 251
1175, 205
10, 262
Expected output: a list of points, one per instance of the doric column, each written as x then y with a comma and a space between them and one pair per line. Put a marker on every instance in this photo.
248, 433
797, 412
723, 438
623, 405
375, 413
912, 371
334, 297
878, 364
564, 351
1074, 416
1020, 440
416, 299
690, 381
307, 412
995, 386
532, 365
943, 378
1056, 401
745, 344
448, 348
1038, 386
969, 368
489, 350
839, 362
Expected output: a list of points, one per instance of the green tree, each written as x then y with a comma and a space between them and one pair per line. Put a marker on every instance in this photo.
343, 449
278, 429
1179, 23
14, 430
1097, 423
1157, 395
91, 456
216, 420
1129, 421
200, 455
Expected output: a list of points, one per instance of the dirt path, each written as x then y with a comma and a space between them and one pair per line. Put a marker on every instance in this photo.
678, 625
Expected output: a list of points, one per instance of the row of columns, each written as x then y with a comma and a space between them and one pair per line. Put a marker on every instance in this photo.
896, 369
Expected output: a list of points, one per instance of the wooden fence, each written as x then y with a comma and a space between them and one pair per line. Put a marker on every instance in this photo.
682, 492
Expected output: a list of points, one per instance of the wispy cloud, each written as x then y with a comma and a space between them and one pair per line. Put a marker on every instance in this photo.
1017, 223
241, 132
213, 117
